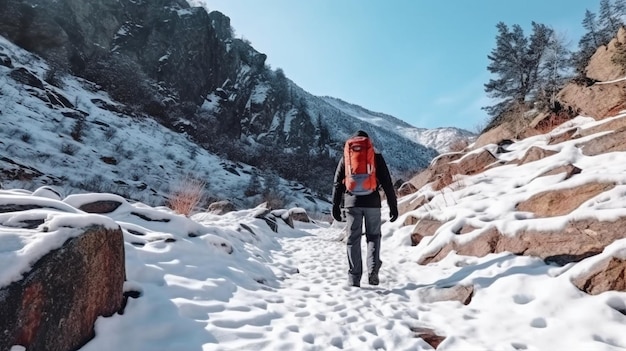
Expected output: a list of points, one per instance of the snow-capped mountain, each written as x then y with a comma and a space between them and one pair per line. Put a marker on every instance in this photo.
440, 139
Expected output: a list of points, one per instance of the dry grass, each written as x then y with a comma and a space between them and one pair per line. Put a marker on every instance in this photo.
187, 195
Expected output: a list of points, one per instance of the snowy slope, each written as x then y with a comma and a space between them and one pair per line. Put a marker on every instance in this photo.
237, 285
93, 147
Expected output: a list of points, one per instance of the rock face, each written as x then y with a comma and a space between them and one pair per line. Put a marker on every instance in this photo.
603, 94
55, 305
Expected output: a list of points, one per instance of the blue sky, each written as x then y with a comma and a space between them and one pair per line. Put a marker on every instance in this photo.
424, 62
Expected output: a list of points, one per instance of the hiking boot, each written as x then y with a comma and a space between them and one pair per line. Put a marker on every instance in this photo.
373, 276
354, 281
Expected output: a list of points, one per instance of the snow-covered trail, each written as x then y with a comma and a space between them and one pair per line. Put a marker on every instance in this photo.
315, 309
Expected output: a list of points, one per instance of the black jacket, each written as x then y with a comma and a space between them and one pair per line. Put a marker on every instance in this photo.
372, 200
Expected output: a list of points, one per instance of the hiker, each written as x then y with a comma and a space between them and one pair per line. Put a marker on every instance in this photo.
360, 173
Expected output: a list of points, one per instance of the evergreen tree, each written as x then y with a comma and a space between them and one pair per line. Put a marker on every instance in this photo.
535, 58
281, 87
556, 70
620, 10
588, 43
609, 21
517, 62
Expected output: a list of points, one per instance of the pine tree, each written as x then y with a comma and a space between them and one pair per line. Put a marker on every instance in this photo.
535, 57
588, 43
506, 59
556, 70
608, 21
620, 10
517, 62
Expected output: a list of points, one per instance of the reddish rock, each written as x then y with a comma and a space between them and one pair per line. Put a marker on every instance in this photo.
535, 153
104, 206
429, 336
577, 241
423, 228
406, 189
615, 141
562, 201
476, 162
460, 293
610, 125
300, 216
608, 275
564, 136
407, 206
569, 169
55, 305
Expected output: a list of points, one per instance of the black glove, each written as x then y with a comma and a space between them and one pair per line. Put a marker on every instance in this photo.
337, 213
393, 213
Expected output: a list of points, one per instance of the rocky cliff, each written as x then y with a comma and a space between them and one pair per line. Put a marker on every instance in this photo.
183, 67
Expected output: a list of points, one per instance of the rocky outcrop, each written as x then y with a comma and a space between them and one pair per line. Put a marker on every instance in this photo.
602, 66
607, 275
613, 141
604, 92
443, 170
563, 201
576, 241
55, 305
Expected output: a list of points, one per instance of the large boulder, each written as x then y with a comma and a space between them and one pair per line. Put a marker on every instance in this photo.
55, 305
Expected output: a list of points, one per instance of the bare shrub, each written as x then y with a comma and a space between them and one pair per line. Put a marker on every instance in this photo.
77, 130
54, 76
26, 137
187, 195
69, 149
274, 200
109, 133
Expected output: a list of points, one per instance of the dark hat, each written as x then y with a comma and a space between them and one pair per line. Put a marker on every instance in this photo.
362, 133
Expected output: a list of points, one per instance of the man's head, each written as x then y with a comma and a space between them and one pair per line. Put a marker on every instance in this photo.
361, 133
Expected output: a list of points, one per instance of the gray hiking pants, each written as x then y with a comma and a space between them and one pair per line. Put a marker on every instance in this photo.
355, 216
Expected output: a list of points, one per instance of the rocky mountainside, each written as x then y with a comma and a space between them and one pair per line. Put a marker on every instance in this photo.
77, 139
182, 67
568, 178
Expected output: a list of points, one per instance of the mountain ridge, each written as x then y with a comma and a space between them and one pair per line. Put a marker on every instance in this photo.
210, 87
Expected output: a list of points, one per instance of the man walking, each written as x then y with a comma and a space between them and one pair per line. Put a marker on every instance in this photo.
360, 173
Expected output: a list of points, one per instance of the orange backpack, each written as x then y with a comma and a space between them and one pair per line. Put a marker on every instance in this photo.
358, 155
